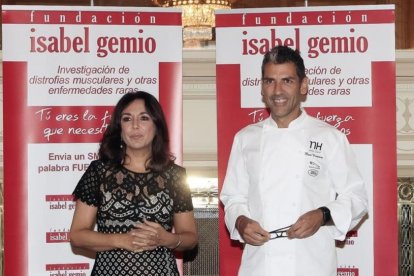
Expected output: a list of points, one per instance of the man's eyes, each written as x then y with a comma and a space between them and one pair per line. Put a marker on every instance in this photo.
273, 81
268, 81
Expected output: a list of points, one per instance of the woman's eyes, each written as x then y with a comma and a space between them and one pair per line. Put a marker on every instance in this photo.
144, 118
141, 118
126, 119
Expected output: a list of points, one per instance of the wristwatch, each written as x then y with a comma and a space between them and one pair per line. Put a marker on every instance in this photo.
326, 214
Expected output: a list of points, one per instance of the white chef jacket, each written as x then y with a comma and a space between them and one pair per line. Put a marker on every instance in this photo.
274, 175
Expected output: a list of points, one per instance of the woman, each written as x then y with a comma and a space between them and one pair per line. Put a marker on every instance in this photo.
135, 194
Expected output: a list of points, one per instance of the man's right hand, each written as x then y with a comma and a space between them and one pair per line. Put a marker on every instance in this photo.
251, 231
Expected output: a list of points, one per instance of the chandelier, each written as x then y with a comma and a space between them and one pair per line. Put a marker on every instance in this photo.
197, 17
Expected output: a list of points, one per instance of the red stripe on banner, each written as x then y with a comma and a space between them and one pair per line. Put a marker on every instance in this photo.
52, 198
348, 271
57, 237
91, 17
15, 168
385, 169
303, 18
78, 266
170, 98
230, 251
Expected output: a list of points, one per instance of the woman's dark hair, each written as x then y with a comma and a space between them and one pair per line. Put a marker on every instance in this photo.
112, 148
284, 54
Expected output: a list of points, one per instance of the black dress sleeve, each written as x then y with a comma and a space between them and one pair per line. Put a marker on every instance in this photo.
181, 193
87, 189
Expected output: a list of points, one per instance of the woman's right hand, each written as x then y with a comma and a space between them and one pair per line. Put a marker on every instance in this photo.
138, 240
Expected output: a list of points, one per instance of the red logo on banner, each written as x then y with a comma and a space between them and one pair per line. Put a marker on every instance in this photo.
57, 237
61, 269
65, 17
347, 272
353, 233
60, 202
59, 197
349, 239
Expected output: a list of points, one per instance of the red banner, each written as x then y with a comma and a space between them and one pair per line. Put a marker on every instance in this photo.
351, 73
64, 68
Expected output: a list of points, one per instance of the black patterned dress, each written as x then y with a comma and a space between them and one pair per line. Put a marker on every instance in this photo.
125, 198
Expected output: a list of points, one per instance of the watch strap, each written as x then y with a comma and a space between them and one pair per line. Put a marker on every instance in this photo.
326, 214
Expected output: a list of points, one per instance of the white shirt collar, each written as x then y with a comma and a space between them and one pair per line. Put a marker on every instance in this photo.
270, 123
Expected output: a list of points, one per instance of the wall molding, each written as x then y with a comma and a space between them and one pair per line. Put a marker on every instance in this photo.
405, 112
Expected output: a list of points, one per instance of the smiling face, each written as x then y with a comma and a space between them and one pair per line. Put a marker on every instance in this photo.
282, 92
137, 128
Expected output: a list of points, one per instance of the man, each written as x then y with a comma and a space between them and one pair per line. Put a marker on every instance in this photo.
290, 171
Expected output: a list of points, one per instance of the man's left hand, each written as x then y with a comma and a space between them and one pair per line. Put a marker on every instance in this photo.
306, 225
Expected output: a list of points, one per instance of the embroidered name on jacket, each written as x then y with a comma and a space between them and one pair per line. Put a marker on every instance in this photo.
314, 151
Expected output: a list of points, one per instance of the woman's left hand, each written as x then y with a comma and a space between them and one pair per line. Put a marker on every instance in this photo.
151, 233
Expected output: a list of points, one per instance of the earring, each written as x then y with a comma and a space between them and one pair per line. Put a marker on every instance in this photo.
121, 146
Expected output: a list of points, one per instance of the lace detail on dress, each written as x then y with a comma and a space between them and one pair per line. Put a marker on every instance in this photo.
124, 198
